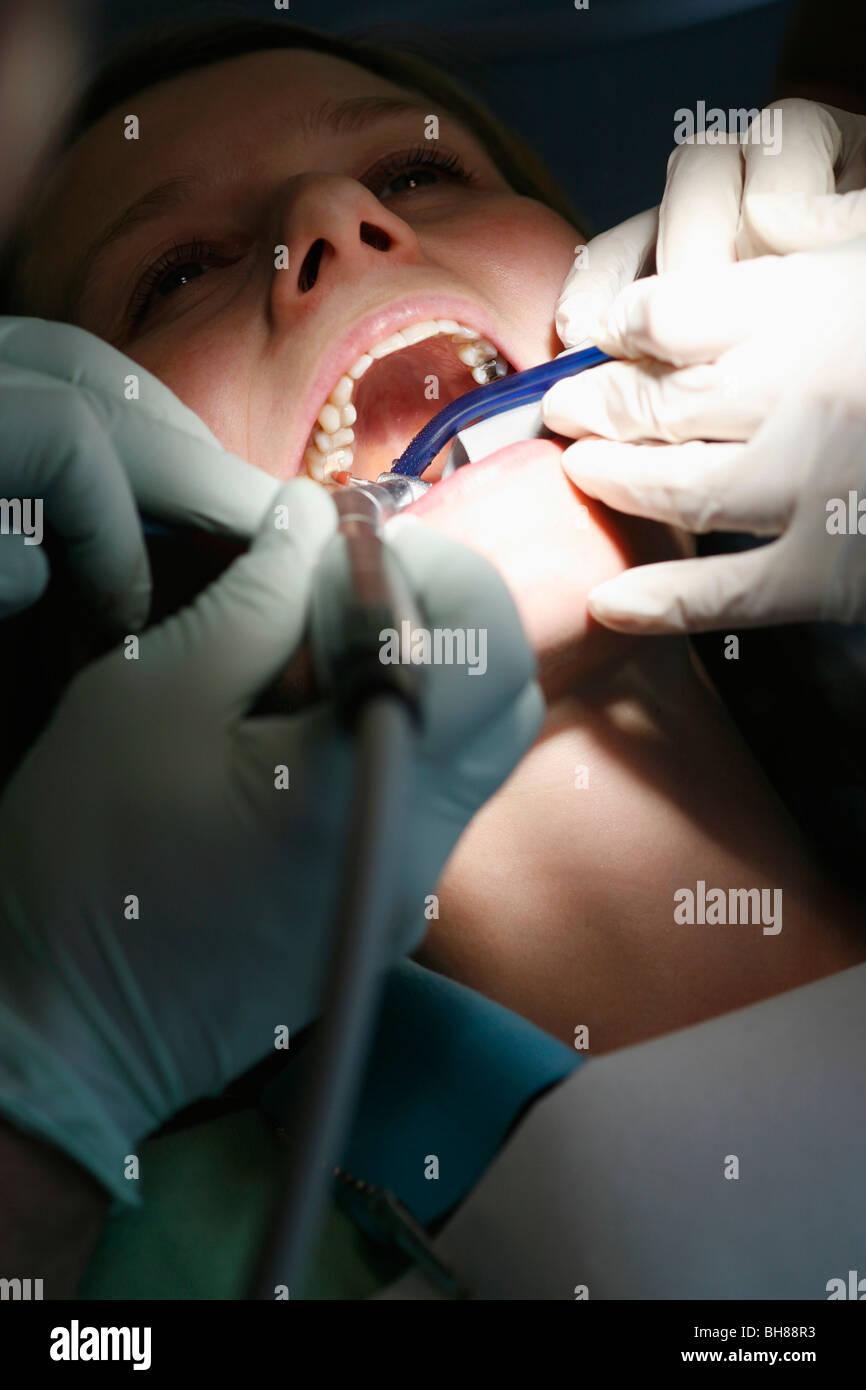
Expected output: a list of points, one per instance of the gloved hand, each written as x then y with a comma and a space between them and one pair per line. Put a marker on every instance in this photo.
72, 439
150, 781
771, 352
725, 203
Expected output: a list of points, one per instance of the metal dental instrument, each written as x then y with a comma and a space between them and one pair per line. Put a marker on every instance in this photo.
390, 492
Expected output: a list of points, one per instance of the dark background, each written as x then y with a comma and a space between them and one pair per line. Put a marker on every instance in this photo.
593, 90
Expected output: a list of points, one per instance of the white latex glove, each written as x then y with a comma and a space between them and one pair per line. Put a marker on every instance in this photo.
772, 352
73, 440
151, 780
724, 203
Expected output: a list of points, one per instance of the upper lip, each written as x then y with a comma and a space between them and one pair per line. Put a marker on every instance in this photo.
387, 318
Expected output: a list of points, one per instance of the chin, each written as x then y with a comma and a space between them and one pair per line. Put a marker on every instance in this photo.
551, 544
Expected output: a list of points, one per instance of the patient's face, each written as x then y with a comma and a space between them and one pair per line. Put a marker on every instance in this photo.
306, 219
382, 228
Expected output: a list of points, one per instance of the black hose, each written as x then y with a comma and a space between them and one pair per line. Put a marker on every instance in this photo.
385, 729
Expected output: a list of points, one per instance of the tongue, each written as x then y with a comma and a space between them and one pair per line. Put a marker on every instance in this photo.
396, 398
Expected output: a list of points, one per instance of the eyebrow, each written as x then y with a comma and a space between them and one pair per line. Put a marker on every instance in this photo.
350, 115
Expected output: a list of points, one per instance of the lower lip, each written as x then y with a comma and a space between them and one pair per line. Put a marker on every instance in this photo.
474, 479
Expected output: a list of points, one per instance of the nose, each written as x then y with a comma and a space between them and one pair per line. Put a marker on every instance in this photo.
335, 231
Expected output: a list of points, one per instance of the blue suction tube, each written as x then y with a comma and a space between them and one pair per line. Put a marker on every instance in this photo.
509, 391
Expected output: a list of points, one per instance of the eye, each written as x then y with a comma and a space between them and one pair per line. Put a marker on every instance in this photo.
415, 169
179, 275
174, 269
408, 181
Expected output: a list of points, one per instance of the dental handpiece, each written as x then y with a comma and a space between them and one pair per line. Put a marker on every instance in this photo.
184, 559
391, 492
358, 591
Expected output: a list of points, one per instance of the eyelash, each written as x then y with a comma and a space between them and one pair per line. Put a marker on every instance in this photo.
196, 250
421, 157
176, 255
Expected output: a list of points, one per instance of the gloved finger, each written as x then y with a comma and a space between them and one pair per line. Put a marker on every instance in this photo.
647, 400
319, 757
691, 595
700, 209
84, 497
851, 160
699, 486
461, 593
810, 146
823, 552
693, 316
24, 574
178, 469
802, 169
610, 261
214, 491
237, 635
823, 150
800, 200
784, 222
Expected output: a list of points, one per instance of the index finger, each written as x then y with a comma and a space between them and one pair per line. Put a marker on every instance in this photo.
700, 210
603, 267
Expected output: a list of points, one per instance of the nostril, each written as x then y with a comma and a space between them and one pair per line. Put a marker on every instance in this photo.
375, 237
309, 272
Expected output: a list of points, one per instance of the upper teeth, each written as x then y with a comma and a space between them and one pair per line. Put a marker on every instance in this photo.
329, 449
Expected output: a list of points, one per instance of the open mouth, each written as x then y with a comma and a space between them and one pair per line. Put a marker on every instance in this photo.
391, 392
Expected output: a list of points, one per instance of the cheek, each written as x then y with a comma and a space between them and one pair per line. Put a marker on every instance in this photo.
538, 248
210, 377
517, 253
550, 544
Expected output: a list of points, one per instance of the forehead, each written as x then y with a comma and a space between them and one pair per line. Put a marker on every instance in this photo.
226, 118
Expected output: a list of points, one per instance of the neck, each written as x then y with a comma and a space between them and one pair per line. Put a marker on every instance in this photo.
559, 900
